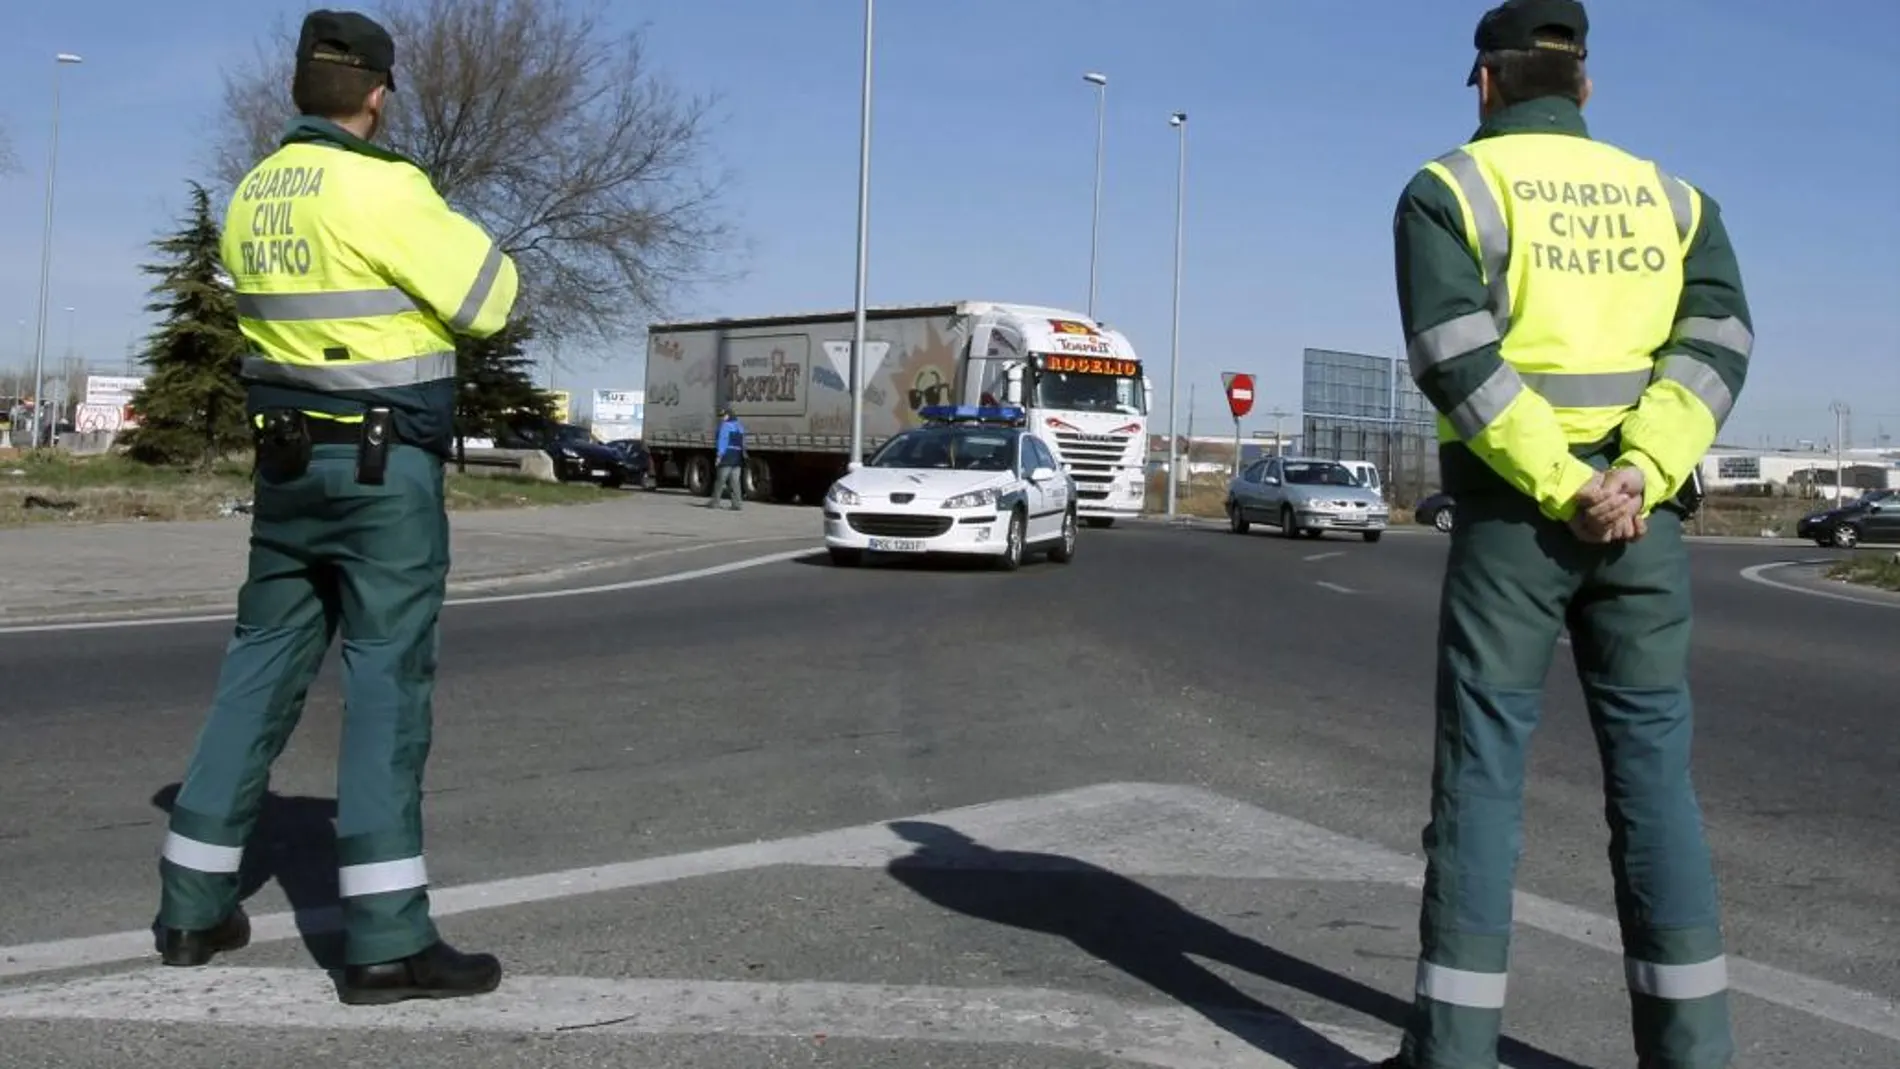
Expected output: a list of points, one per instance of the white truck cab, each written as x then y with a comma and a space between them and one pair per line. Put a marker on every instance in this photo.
1084, 392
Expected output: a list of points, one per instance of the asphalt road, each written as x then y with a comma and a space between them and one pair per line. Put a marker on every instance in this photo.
1198, 766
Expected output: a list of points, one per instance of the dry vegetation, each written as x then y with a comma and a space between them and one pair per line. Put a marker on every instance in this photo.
58, 488
1869, 569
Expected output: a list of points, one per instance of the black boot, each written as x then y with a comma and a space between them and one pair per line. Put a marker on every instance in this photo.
440, 971
176, 946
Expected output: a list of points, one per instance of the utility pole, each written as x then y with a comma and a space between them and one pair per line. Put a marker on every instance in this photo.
1840, 410
1100, 82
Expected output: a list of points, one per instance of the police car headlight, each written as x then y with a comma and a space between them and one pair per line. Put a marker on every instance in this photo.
842, 495
569, 452
975, 499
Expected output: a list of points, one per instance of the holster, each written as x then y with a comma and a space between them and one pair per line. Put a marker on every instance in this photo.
283, 444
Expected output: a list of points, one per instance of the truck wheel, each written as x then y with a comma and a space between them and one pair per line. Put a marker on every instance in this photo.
699, 475
758, 479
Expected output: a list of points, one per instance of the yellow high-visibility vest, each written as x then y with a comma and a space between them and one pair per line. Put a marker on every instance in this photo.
353, 276
1581, 246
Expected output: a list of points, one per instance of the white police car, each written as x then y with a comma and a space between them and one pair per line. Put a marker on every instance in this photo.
971, 480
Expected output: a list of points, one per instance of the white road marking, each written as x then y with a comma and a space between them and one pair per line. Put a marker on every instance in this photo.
1136, 829
1758, 574
1325, 556
484, 599
1336, 588
1164, 1036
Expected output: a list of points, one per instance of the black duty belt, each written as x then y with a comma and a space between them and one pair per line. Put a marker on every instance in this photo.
333, 431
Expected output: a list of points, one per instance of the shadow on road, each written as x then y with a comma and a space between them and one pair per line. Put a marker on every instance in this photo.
1150, 937
294, 844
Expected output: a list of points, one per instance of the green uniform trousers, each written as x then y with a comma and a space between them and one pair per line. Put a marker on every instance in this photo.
327, 553
1514, 581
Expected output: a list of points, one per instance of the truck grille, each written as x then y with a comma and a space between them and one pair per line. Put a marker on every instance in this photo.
898, 524
1094, 460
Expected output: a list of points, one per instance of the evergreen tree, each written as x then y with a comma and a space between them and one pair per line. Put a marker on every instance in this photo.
191, 406
495, 384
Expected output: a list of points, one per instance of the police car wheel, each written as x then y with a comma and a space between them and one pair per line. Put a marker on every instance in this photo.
1012, 557
1064, 550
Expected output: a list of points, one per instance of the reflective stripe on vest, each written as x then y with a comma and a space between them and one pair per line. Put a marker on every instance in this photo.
1589, 402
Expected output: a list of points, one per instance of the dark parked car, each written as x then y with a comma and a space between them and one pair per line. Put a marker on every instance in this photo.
639, 462
1435, 511
1872, 517
577, 457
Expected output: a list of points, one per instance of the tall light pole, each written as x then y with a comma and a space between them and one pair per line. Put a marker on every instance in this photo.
1179, 121
864, 247
46, 252
1100, 82
1840, 410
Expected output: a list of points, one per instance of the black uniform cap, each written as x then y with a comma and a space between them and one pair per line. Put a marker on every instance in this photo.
1528, 24
349, 38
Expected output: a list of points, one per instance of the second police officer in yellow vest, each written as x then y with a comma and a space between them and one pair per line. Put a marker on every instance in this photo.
1576, 316
352, 278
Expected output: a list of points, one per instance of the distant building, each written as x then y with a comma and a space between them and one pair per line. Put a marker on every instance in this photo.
1799, 473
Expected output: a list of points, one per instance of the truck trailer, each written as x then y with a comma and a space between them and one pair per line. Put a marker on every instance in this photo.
788, 379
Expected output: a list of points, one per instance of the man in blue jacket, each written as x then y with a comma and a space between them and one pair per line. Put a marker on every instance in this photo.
731, 463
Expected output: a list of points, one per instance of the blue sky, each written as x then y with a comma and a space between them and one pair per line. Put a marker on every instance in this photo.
1306, 118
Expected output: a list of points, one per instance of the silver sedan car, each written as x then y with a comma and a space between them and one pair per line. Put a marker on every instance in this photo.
1304, 497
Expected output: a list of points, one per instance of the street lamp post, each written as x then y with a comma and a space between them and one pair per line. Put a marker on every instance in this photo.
46, 254
1100, 82
1179, 121
864, 245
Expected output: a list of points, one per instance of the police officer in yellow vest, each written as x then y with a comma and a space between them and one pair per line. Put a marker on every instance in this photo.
352, 277
1576, 316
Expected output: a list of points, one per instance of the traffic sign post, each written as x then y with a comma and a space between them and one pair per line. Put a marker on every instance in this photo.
1239, 388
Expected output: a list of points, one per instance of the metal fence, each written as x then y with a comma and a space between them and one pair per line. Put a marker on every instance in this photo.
1358, 406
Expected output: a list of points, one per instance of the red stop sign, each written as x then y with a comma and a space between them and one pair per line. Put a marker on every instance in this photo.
1239, 393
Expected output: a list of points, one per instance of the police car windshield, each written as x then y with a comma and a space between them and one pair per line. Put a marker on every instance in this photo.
1089, 393
1319, 475
946, 449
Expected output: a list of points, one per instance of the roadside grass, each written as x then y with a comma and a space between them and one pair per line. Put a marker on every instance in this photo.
1880, 570
49, 487
1739, 516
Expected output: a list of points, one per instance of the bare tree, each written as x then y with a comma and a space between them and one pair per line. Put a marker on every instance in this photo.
547, 127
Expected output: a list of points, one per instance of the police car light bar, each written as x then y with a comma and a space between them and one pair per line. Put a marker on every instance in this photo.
973, 413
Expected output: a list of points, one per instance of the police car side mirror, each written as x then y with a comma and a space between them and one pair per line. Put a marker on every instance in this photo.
1042, 475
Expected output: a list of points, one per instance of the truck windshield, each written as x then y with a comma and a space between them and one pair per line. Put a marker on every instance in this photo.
1090, 393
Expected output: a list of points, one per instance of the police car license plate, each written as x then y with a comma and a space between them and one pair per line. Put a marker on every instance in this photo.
598, 473
897, 545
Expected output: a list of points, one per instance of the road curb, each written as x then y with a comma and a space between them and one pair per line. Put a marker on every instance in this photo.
222, 606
